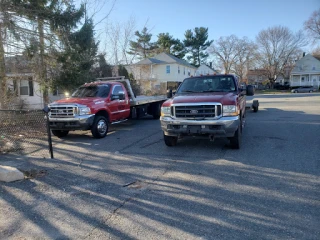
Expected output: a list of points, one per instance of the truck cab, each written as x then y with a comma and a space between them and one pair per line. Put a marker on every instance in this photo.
210, 106
91, 107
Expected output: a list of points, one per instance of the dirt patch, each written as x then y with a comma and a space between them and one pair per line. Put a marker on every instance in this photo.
33, 173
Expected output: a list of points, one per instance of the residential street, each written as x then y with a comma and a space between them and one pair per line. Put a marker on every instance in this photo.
130, 185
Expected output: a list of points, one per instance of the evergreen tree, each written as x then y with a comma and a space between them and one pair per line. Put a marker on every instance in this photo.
196, 44
142, 47
103, 69
166, 43
78, 58
51, 18
122, 71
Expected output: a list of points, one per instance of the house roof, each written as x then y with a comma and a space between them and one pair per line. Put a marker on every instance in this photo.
317, 57
164, 58
148, 61
206, 66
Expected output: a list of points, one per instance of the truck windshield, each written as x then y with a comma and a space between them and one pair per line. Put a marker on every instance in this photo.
208, 84
92, 91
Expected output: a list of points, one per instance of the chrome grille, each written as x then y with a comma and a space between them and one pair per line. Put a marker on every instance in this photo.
63, 111
197, 111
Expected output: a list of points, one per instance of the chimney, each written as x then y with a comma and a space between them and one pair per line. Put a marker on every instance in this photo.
303, 54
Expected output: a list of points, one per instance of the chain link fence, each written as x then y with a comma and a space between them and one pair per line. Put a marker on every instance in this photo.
23, 132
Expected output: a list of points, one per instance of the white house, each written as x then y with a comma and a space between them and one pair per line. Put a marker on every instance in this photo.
154, 74
23, 87
205, 70
306, 72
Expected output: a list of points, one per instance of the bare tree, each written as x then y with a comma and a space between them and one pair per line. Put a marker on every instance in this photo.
245, 57
275, 47
225, 50
118, 37
234, 54
312, 25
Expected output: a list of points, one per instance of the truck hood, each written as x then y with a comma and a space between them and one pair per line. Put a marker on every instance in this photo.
223, 98
81, 101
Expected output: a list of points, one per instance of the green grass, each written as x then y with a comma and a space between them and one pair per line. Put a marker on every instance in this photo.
271, 91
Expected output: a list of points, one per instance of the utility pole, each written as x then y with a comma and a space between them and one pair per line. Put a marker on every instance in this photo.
3, 83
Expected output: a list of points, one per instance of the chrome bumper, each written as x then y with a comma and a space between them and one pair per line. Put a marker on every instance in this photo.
76, 123
223, 127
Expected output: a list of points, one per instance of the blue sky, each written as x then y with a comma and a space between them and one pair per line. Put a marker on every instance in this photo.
239, 17
223, 18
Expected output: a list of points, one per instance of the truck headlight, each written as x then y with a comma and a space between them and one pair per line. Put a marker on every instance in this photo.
165, 111
230, 110
84, 111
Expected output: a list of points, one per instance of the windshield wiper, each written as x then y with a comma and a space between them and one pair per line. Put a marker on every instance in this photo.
188, 91
212, 91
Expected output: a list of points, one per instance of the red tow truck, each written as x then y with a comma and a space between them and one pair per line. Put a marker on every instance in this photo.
95, 105
211, 106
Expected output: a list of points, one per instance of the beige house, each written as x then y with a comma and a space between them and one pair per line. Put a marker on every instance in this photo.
257, 76
306, 72
154, 74
23, 87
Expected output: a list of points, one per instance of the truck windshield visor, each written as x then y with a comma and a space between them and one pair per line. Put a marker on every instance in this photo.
208, 84
92, 91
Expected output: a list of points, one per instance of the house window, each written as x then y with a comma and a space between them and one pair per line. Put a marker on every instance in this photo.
168, 69
313, 68
26, 87
178, 69
188, 72
302, 79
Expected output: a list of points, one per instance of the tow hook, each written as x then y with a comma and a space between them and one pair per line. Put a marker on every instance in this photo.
211, 137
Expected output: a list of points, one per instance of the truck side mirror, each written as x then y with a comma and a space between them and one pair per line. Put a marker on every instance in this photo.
250, 90
114, 97
169, 93
121, 96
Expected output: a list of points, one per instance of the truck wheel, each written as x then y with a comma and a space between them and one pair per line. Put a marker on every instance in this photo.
170, 141
156, 111
235, 141
59, 133
100, 127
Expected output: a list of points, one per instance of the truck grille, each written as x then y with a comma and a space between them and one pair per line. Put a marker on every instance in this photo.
62, 111
197, 111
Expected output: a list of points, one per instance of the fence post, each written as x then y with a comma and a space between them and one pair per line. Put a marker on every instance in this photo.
46, 111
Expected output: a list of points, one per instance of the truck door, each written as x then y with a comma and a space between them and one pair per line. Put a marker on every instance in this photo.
119, 106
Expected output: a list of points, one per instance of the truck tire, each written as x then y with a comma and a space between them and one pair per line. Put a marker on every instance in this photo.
255, 105
235, 141
59, 133
170, 141
156, 111
100, 127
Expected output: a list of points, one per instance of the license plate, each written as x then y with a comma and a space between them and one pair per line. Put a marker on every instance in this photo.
60, 125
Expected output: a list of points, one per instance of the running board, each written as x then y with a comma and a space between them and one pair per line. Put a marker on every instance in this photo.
119, 121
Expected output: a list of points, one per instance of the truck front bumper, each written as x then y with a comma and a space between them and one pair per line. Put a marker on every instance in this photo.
76, 123
223, 127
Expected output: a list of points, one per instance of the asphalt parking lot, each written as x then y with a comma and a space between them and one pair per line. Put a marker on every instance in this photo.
130, 185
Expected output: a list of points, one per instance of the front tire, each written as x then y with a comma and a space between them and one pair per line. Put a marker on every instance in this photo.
59, 133
100, 127
170, 141
235, 141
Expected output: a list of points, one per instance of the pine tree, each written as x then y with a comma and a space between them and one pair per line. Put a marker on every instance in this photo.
142, 47
196, 44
